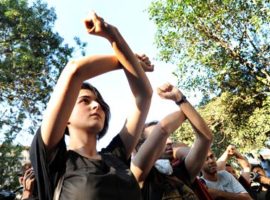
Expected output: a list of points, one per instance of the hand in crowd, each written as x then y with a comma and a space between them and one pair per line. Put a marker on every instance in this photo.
231, 150
28, 183
258, 175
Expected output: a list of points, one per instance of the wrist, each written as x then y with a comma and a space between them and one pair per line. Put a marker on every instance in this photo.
182, 100
26, 194
114, 34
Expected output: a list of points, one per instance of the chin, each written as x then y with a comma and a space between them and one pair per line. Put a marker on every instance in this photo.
96, 128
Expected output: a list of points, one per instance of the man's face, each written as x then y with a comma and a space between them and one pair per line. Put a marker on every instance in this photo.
168, 149
259, 170
210, 164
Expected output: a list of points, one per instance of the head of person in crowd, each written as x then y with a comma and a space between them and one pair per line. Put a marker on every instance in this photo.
171, 148
259, 182
148, 128
99, 106
210, 165
258, 169
221, 184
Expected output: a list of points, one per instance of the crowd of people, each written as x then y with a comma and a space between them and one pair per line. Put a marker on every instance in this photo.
141, 161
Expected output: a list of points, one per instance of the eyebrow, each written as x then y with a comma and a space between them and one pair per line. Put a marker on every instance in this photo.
86, 96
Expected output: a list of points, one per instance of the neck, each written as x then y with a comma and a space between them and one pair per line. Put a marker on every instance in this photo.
83, 143
210, 177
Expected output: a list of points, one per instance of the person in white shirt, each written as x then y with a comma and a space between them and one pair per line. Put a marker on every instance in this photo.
221, 184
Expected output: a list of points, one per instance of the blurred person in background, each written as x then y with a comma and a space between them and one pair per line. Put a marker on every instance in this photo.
175, 166
221, 184
243, 176
260, 183
27, 182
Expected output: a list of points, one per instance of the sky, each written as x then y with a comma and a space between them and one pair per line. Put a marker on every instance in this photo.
131, 19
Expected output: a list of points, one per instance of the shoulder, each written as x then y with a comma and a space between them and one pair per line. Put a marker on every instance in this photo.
47, 165
224, 174
116, 146
38, 142
37, 146
117, 149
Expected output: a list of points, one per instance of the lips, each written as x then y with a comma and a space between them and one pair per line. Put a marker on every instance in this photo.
168, 153
213, 167
168, 150
95, 115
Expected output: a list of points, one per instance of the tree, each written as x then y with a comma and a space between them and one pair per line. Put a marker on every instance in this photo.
223, 44
247, 138
31, 58
222, 49
10, 165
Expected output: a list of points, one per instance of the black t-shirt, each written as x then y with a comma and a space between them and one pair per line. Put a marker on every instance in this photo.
158, 186
84, 178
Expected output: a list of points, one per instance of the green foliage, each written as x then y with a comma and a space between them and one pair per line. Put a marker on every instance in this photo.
231, 125
10, 165
244, 131
32, 55
226, 42
221, 49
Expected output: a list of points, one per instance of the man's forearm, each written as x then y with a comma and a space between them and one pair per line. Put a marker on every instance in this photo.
222, 160
218, 194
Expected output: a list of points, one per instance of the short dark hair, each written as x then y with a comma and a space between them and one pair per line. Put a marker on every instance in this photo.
256, 166
152, 123
143, 137
103, 104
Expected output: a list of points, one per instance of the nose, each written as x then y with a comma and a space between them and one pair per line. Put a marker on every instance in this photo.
169, 141
94, 105
168, 146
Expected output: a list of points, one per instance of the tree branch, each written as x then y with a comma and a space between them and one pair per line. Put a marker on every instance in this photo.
235, 55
